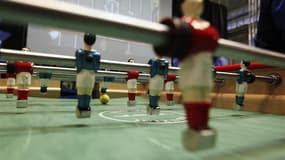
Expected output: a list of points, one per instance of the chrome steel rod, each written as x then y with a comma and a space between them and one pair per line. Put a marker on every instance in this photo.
271, 79
70, 73
231, 75
60, 14
122, 75
69, 61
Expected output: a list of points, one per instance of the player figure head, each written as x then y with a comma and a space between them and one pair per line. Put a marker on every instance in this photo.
192, 8
89, 39
26, 49
244, 64
131, 60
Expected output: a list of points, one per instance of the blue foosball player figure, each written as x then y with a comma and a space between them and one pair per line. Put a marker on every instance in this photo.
158, 72
87, 63
44, 78
246, 77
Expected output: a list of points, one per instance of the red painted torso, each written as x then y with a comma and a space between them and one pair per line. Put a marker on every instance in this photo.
24, 67
132, 75
204, 36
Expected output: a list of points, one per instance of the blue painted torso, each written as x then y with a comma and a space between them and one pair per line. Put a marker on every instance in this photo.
243, 76
158, 67
89, 60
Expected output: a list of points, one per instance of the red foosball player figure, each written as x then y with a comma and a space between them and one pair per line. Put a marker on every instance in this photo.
24, 71
11, 79
132, 87
196, 78
169, 88
193, 41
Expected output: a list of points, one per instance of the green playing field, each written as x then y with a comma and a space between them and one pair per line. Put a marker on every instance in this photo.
48, 129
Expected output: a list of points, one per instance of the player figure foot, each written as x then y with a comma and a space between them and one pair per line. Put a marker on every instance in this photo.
9, 95
83, 112
198, 139
22, 103
131, 103
170, 103
238, 107
152, 110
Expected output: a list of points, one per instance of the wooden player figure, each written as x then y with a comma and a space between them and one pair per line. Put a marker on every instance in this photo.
193, 41
242, 83
196, 77
169, 88
24, 71
158, 71
87, 63
132, 87
11, 79
44, 78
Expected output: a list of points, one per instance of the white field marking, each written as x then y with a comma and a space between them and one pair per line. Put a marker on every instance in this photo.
180, 118
158, 143
28, 140
134, 115
177, 112
101, 114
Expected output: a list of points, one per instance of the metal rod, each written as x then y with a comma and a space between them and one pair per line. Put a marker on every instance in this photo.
231, 75
65, 73
60, 14
71, 73
69, 61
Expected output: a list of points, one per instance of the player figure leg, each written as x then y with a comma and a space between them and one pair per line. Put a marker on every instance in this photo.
10, 87
84, 83
196, 84
241, 89
155, 88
